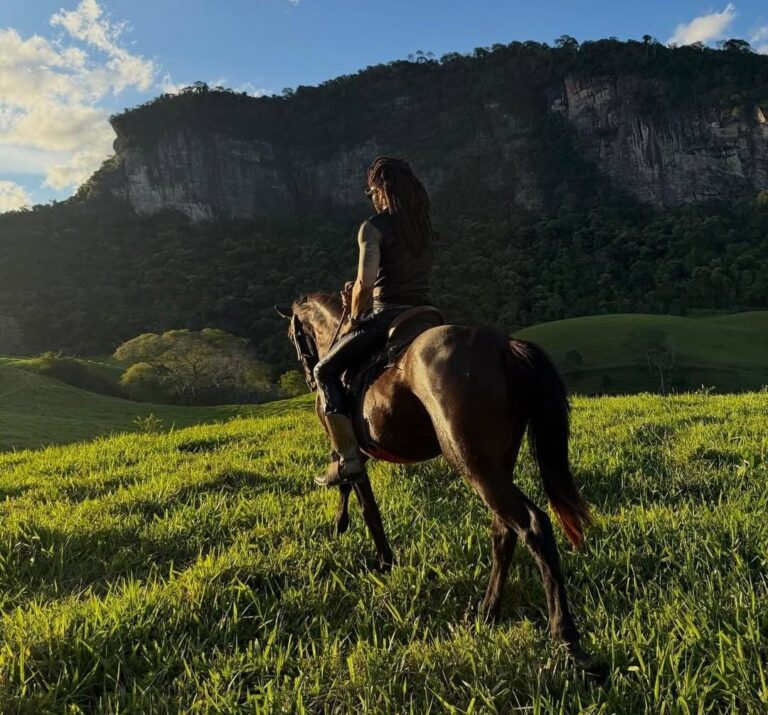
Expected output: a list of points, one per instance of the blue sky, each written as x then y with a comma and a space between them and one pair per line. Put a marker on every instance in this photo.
65, 65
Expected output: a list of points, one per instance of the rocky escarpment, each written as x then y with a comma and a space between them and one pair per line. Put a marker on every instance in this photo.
516, 128
212, 175
665, 157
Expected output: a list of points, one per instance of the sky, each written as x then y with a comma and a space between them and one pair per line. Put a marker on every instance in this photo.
66, 65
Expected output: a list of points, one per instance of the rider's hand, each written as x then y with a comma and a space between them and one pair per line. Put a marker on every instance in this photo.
346, 295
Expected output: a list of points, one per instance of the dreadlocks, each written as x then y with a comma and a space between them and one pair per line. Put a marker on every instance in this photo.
407, 200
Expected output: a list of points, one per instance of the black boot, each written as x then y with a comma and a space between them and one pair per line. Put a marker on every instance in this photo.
349, 467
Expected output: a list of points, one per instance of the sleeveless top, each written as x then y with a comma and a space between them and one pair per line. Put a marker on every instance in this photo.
403, 277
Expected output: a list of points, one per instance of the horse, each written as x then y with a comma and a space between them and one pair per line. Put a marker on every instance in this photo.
470, 394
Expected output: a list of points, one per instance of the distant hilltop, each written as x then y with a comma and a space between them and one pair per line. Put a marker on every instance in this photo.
520, 124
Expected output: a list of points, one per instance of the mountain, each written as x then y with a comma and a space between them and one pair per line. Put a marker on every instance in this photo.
606, 177
667, 126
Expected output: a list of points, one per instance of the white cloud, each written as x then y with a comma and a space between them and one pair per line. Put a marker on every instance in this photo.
168, 86
53, 94
761, 36
88, 24
13, 196
704, 28
253, 90
27, 160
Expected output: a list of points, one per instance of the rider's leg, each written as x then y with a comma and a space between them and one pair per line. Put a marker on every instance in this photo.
350, 351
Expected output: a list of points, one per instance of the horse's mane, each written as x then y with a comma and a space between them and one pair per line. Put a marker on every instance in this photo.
331, 301
320, 312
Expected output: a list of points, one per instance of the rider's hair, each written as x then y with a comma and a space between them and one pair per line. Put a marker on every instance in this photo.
407, 200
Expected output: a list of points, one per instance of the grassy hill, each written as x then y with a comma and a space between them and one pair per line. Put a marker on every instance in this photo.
37, 410
196, 571
729, 352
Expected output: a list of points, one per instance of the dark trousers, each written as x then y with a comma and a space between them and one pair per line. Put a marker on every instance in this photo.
350, 351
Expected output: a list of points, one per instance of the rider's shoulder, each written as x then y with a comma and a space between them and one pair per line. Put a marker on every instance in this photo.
382, 222
371, 227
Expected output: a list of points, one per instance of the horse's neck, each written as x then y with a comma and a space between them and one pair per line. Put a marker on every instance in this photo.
325, 322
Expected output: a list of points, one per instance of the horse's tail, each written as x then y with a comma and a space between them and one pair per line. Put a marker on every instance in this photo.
548, 433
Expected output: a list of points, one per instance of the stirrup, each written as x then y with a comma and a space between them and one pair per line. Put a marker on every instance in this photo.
334, 477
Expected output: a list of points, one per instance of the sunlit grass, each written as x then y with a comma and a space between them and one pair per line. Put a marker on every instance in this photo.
197, 570
36, 411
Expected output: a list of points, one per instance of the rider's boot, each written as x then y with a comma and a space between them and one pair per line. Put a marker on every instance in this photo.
349, 468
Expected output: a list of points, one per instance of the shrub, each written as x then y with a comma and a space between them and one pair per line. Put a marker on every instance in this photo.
292, 383
141, 382
149, 424
73, 372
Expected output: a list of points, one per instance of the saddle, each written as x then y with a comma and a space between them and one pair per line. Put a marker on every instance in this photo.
405, 328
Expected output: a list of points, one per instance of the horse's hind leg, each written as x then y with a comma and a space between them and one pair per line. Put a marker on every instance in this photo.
503, 541
534, 528
491, 477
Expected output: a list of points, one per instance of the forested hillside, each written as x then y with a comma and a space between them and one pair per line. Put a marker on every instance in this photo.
565, 240
86, 276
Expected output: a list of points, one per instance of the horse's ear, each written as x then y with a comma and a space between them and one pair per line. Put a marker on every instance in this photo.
284, 311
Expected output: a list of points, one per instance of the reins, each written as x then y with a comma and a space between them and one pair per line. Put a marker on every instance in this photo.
338, 327
306, 352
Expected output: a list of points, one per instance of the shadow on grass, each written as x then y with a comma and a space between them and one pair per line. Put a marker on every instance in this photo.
60, 562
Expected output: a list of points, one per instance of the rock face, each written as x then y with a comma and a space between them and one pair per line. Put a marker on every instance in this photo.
218, 176
668, 158
660, 156
204, 177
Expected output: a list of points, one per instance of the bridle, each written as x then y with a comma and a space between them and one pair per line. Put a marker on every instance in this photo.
306, 349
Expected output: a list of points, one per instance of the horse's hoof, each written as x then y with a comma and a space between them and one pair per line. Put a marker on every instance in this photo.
342, 524
384, 565
593, 668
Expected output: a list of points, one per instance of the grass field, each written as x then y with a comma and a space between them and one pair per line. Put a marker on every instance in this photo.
196, 571
37, 410
728, 352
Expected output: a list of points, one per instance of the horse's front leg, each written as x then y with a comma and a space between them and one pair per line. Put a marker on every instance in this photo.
342, 512
372, 518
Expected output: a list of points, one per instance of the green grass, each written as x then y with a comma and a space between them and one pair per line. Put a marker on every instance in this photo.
196, 571
729, 352
37, 410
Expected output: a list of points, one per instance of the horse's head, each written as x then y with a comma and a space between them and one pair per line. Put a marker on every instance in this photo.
314, 319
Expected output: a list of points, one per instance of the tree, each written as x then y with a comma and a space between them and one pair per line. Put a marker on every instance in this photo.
735, 45
195, 367
663, 360
292, 383
566, 42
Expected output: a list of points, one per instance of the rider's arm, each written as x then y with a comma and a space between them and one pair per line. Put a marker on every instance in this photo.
369, 241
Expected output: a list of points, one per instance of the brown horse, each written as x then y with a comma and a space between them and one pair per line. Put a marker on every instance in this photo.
469, 393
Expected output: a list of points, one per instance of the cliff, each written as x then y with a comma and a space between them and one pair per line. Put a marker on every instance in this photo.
665, 157
510, 127
565, 181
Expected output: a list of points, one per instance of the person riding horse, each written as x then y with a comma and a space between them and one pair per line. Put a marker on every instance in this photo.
468, 393
393, 276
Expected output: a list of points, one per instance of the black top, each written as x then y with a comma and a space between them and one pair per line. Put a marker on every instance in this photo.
403, 277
